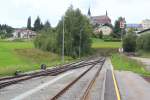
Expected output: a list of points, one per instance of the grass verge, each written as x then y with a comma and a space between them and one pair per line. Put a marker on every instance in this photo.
99, 43
24, 57
122, 62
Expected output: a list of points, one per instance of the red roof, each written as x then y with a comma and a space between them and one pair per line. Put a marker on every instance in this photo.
101, 20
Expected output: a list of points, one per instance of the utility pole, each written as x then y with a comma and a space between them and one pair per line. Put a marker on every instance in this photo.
122, 26
63, 41
80, 43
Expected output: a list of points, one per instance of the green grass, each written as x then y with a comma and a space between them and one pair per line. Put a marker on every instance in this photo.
23, 56
99, 43
122, 62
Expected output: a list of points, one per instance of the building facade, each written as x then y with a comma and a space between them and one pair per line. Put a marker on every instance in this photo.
23, 34
105, 29
146, 24
134, 27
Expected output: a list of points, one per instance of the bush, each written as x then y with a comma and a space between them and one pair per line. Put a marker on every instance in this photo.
129, 42
143, 42
100, 34
18, 40
111, 39
46, 41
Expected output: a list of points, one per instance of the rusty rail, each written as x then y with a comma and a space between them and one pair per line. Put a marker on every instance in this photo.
75, 80
54, 71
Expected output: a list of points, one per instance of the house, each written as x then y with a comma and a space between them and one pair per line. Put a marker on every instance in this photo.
143, 32
105, 29
135, 26
146, 24
101, 23
23, 34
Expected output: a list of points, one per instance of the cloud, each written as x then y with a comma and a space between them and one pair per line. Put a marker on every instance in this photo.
16, 12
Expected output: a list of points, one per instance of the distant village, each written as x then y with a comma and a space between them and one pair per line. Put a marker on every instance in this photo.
103, 23
100, 23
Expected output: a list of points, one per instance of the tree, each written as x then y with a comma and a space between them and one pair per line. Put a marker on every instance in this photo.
143, 42
129, 42
6, 31
77, 30
38, 24
47, 24
100, 34
77, 35
117, 30
29, 23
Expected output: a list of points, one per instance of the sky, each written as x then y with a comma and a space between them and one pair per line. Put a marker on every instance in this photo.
16, 12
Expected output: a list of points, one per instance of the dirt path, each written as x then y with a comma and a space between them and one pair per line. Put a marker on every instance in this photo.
145, 61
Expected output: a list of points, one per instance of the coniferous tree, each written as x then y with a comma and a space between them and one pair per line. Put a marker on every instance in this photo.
37, 24
47, 24
29, 23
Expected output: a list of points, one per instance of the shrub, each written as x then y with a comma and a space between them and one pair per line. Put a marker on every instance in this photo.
140, 42
143, 42
129, 42
100, 34
46, 42
18, 40
111, 39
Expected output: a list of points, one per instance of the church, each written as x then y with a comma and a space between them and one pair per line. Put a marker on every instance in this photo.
101, 23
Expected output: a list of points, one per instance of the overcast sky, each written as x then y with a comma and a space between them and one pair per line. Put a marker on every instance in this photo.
16, 12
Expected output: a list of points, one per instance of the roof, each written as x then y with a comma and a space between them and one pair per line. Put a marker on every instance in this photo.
101, 19
25, 31
146, 30
134, 25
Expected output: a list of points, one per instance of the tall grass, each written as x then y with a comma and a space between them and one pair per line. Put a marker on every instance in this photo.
24, 57
122, 62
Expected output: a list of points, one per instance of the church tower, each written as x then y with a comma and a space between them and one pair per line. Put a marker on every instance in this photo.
89, 13
106, 13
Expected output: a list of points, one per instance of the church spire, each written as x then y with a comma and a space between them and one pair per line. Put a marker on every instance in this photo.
106, 13
89, 13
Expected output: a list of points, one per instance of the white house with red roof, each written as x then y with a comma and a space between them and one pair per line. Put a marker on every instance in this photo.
23, 34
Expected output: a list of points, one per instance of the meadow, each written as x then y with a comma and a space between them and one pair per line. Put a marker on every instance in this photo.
120, 61
99, 43
24, 57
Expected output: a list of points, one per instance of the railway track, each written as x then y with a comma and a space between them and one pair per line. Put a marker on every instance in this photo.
63, 95
54, 71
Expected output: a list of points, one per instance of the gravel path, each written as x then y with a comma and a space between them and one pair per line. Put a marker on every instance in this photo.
132, 86
145, 61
